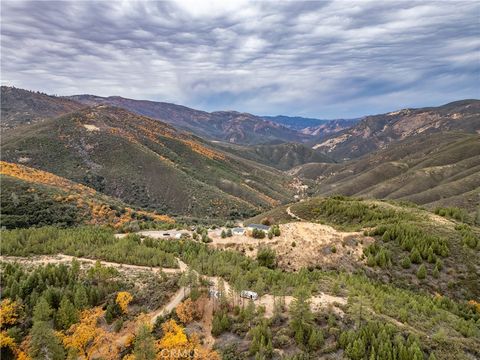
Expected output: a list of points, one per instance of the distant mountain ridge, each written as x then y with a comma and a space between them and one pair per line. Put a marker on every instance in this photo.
311, 126
378, 131
228, 126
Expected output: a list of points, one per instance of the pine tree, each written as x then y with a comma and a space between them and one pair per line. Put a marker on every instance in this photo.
406, 263
224, 234
42, 310
44, 344
80, 298
67, 314
316, 340
415, 256
144, 346
422, 272
301, 316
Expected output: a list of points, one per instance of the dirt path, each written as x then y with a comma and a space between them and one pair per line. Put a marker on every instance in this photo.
291, 214
176, 299
63, 259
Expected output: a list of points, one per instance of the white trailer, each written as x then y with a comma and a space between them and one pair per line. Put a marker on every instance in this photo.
247, 294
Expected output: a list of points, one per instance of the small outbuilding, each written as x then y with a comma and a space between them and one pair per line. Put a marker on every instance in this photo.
259, 227
238, 231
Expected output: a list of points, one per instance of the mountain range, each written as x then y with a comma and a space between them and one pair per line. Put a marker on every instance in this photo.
226, 164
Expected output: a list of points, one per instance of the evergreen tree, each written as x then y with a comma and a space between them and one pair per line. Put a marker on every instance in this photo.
415, 256
44, 343
144, 346
422, 272
80, 298
315, 340
67, 315
301, 316
406, 263
224, 234
42, 311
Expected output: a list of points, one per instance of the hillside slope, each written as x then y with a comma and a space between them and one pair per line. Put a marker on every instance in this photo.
442, 169
20, 107
230, 126
32, 197
281, 156
146, 163
377, 132
396, 232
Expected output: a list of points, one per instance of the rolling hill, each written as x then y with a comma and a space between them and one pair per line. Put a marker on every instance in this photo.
229, 126
440, 169
281, 156
20, 107
146, 163
32, 197
378, 131
394, 231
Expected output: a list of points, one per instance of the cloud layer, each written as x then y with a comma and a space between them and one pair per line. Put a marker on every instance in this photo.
322, 59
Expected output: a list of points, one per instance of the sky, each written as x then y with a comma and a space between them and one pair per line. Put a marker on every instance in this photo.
328, 59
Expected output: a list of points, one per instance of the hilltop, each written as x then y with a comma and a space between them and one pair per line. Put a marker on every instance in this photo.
20, 107
280, 156
388, 240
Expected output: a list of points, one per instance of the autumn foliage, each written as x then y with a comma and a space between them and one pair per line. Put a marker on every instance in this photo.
86, 336
186, 311
123, 299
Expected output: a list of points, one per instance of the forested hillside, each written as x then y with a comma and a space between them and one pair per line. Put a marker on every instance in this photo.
146, 163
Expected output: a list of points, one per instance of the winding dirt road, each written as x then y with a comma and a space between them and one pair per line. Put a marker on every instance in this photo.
291, 214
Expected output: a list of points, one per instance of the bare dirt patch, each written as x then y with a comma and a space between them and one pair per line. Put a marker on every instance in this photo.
303, 244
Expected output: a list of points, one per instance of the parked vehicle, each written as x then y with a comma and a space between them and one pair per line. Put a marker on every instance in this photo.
247, 294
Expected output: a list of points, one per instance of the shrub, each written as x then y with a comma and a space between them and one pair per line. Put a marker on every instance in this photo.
422, 272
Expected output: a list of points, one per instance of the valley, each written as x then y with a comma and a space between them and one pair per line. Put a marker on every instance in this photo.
135, 229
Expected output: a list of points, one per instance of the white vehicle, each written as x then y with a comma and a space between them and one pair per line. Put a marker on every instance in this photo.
214, 293
247, 294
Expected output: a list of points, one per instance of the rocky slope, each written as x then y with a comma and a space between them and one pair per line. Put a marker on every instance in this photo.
377, 132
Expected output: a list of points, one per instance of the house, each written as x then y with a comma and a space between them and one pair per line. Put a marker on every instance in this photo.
238, 231
258, 227
247, 294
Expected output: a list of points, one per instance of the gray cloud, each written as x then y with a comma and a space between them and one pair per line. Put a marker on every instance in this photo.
324, 59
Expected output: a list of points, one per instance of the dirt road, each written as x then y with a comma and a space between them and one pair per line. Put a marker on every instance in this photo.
291, 214
176, 299
61, 258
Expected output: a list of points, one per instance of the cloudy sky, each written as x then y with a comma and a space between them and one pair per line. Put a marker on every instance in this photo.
326, 59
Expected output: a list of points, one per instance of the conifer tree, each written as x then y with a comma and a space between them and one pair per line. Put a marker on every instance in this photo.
144, 346
66, 314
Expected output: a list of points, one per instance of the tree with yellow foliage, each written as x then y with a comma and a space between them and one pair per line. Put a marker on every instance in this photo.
186, 311
174, 345
8, 316
123, 299
85, 337
8, 312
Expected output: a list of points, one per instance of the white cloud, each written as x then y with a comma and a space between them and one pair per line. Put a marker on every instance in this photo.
324, 59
